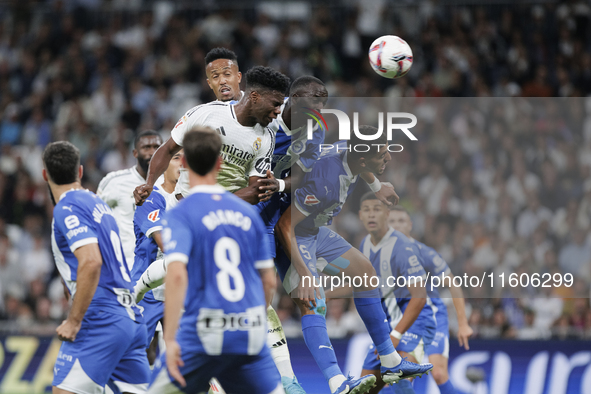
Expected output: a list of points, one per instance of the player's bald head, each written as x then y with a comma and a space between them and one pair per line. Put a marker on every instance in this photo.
202, 147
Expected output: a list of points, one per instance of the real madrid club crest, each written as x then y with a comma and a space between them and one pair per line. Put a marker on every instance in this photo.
257, 144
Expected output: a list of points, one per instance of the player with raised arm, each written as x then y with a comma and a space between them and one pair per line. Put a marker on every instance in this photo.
247, 143
438, 349
147, 223
116, 189
314, 247
104, 335
223, 282
410, 313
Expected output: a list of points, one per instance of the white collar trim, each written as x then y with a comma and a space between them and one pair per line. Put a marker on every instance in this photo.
385, 239
211, 189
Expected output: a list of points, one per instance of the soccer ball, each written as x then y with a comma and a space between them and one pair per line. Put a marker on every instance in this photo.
390, 56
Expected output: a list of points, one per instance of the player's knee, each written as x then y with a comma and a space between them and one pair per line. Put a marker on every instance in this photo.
440, 374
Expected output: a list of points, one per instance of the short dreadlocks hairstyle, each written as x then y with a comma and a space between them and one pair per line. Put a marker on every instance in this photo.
265, 78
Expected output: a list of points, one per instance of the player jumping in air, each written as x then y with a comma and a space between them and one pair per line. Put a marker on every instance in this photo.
116, 189
315, 247
104, 335
438, 349
223, 282
410, 313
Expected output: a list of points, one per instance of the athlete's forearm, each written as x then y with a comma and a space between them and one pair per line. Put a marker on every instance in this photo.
160, 160
88, 275
175, 292
269, 280
459, 304
286, 234
368, 177
250, 194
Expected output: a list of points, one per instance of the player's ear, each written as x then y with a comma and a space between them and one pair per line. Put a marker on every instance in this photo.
135, 153
254, 96
44, 174
209, 83
218, 164
80, 171
239, 77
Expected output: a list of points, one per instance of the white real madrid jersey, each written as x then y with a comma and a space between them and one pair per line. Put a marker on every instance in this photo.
116, 189
246, 151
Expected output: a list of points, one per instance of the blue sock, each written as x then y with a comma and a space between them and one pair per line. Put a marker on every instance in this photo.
369, 306
404, 386
316, 337
447, 388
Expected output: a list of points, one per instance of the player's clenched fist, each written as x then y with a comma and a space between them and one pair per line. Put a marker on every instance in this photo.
141, 193
67, 331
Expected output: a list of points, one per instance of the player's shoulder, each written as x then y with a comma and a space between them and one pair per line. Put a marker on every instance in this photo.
211, 107
75, 201
115, 176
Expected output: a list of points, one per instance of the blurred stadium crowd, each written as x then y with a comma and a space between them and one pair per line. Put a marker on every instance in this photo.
513, 197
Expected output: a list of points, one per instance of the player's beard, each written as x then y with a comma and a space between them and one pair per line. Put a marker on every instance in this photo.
51, 196
144, 163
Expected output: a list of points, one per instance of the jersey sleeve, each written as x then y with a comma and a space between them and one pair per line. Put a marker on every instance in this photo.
312, 152
263, 257
192, 117
262, 160
434, 263
177, 239
148, 216
319, 191
75, 225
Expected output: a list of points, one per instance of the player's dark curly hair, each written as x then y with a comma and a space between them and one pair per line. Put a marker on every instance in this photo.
357, 154
220, 53
265, 78
62, 160
303, 82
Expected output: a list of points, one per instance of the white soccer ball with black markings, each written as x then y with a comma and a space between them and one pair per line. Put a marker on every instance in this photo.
390, 57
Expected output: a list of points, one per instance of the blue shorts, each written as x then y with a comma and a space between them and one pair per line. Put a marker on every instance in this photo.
440, 343
107, 346
153, 313
318, 251
270, 212
236, 373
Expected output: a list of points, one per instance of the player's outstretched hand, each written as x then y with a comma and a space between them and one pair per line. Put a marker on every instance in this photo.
464, 332
141, 193
67, 331
267, 186
174, 361
387, 194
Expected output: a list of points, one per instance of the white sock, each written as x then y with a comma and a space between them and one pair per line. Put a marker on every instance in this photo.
278, 344
390, 360
335, 382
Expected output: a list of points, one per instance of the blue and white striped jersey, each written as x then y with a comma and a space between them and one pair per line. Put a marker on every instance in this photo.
220, 238
81, 218
435, 265
324, 191
396, 257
